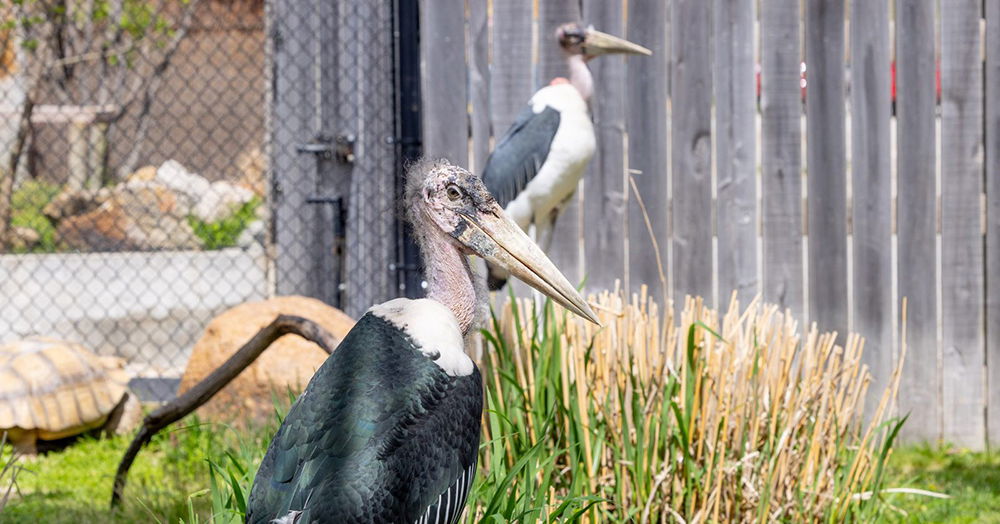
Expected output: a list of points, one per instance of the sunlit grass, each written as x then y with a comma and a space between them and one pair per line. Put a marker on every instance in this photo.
650, 418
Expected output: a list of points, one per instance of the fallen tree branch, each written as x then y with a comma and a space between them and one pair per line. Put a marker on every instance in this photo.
203, 391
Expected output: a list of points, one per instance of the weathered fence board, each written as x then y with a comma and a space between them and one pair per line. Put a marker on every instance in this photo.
917, 215
653, 120
646, 122
604, 205
552, 14
781, 139
511, 81
442, 57
567, 240
871, 173
961, 235
826, 157
478, 41
691, 149
735, 150
993, 224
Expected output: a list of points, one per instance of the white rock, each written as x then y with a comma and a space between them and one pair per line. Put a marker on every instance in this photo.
252, 235
220, 200
173, 175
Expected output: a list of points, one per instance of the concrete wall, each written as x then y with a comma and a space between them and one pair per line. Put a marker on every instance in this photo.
147, 307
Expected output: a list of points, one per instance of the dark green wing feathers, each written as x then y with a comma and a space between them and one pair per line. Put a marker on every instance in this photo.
380, 433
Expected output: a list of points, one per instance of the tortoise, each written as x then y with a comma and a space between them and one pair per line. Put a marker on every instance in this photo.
53, 389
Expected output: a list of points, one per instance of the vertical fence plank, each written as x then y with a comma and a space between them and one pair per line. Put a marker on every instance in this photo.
781, 154
551, 15
736, 149
920, 384
826, 157
646, 121
478, 41
510, 80
691, 149
292, 115
870, 175
566, 236
961, 235
443, 90
604, 183
993, 225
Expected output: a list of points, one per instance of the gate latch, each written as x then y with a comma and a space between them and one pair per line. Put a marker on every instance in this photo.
325, 147
345, 147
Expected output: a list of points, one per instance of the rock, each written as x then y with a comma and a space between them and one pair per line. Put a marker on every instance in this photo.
72, 202
287, 365
143, 174
23, 238
253, 235
221, 200
139, 216
173, 175
252, 165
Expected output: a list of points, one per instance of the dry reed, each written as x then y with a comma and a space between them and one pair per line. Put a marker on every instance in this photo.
696, 418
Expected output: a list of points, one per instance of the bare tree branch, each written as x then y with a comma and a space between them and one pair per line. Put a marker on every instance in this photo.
210, 385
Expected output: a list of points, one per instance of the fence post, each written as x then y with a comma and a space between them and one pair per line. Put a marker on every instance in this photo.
736, 149
781, 106
962, 283
826, 158
917, 216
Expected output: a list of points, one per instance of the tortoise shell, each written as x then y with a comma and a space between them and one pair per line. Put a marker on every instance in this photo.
57, 388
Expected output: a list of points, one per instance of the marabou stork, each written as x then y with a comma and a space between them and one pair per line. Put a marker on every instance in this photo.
536, 166
388, 428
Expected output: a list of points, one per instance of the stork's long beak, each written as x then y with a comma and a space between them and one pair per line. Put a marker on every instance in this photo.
496, 238
598, 43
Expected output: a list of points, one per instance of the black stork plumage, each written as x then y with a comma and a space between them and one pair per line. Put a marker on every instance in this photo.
538, 163
388, 428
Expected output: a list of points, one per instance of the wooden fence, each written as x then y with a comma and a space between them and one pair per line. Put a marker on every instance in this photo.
835, 205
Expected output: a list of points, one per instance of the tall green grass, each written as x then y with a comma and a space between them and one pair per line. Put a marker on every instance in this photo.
654, 418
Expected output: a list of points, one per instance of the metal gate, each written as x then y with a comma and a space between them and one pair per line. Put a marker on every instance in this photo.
335, 149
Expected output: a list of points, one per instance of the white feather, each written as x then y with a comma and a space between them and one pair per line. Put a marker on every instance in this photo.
572, 148
433, 328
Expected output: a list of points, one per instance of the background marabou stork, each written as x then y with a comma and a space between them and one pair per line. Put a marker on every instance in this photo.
536, 166
388, 428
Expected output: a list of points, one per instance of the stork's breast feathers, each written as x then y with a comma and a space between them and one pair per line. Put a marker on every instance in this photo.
433, 329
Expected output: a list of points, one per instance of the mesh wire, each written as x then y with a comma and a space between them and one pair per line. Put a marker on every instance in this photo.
154, 167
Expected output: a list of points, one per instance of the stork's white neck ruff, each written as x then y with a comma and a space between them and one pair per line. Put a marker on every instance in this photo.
433, 328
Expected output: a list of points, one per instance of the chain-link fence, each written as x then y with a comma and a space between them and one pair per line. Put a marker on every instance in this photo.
164, 160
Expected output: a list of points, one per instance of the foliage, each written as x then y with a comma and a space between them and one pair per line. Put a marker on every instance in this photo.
26, 211
225, 232
9, 469
170, 482
972, 479
643, 420
648, 419
136, 18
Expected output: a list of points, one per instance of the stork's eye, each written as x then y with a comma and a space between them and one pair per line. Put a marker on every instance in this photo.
454, 192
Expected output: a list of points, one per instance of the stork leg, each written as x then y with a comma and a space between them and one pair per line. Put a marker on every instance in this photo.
545, 225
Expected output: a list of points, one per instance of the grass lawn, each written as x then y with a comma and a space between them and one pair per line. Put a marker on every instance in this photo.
170, 481
972, 479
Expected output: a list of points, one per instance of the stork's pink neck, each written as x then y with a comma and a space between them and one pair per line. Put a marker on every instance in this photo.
449, 278
579, 75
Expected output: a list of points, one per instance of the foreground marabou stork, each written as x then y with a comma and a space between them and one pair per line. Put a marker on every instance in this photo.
388, 428
536, 166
